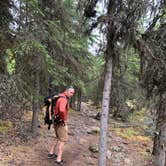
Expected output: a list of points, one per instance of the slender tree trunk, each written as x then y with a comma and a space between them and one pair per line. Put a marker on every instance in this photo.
36, 100
111, 36
105, 111
159, 149
79, 100
73, 102
50, 86
3, 66
5, 19
99, 90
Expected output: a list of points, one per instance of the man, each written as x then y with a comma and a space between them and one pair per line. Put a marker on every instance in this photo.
61, 129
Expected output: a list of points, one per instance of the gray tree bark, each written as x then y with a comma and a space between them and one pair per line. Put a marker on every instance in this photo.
105, 111
5, 37
160, 139
36, 99
3, 66
79, 100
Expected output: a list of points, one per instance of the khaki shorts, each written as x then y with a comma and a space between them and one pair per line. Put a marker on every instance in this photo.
61, 132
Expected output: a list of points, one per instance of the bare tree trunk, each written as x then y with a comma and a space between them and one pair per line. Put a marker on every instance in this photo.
159, 149
3, 66
79, 100
36, 100
105, 111
73, 102
5, 19
99, 90
50, 86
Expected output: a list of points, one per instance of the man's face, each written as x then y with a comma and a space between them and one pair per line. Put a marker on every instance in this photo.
70, 92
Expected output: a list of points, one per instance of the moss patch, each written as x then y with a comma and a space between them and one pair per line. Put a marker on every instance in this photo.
126, 133
132, 134
28, 116
5, 126
71, 110
138, 116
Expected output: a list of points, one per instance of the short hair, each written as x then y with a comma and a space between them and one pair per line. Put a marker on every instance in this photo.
70, 87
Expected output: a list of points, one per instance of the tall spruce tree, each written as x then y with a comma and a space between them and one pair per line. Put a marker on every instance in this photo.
5, 35
122, 24
151, 48
49, 52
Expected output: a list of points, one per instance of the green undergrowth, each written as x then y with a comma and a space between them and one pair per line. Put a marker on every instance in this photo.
138, 116
137, 126
132, 134
5, 126
72, 110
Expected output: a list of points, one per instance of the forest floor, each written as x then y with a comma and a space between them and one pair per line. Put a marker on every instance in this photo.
125, 147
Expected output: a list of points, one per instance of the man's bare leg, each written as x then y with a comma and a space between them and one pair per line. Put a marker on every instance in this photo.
51, 153
52, 147
60, 150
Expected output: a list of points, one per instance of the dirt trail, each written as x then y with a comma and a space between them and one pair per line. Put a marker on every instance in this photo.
34, 152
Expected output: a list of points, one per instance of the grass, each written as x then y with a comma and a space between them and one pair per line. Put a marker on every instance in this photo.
71, 110
126, 133
135, 133
138, 116
28, 115
5, 126
131, 134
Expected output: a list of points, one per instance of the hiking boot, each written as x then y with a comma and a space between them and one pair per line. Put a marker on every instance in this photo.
51, 156
60, 163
